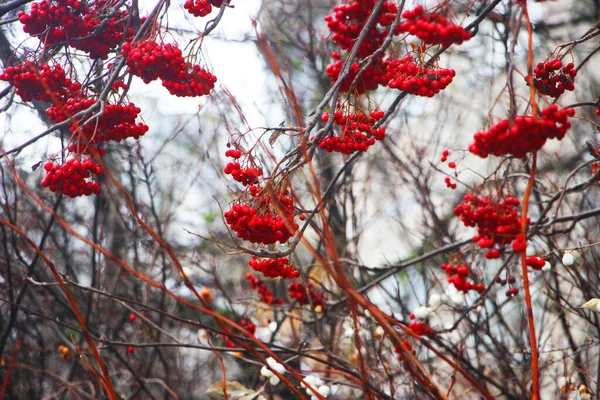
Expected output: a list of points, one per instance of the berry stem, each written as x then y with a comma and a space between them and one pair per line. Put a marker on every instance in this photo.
532, 338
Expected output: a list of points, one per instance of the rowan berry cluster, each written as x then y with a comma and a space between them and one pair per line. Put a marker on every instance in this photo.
349, 19
274, 267
201, 8
524, 134
552, 79
150, 61
71, 177
85, 26
371, 78
407, 75
265, 220
346, 24
457, 275
192, 82
246, 176
421, 328
115, 124
266, 295
431, 28
498, 221
357, 132
536, 263
43, 83
306, 295
449, 183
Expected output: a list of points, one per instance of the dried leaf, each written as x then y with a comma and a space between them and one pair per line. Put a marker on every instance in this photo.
591, 304
235, 391
274, 136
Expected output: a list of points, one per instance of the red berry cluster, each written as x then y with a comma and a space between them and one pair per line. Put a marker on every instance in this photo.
498, 221
274, 267
346, 24
431, 28
44, 83
408, 76
457, 276
71, 178
150, 61
266, 220
357, 132
552, 79
246, 176
266, 295
420, 328
201, 8
192, 82
449, 183
87, 26
512, 292
103, 33
373, 76
350, 18
50, 19
523, 135
115, 124
306, 294
537, 263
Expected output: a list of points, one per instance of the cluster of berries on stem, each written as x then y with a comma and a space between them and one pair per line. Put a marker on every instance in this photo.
431, 28
420, 328
418, 79
246, 176
357, 129
371, 78
346, 24
552, 79
71, 178
457, 275
306, 295
498, 221
265, 218
150, 60
266, 294
201, 8
274, 267
524, 134
44, 82
87, 26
